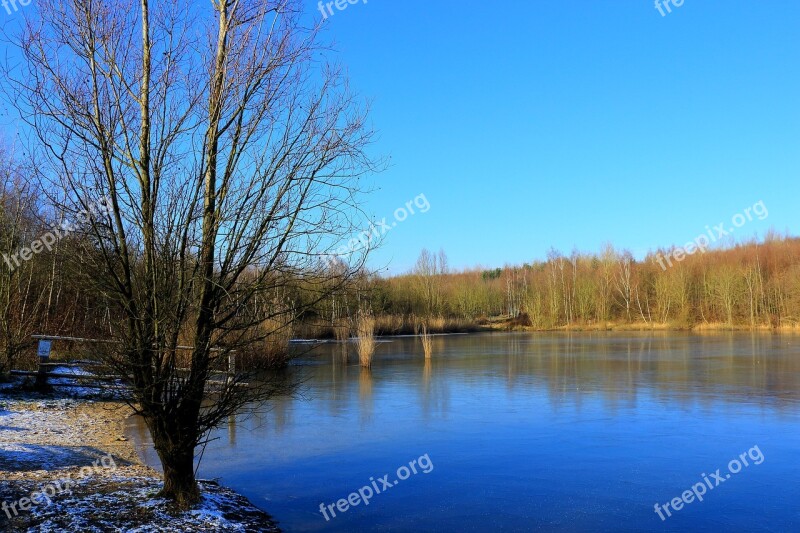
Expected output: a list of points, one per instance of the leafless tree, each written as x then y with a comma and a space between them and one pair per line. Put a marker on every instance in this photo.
230, 151
623, 281
428, 270
554, 258
607, 260
753, 280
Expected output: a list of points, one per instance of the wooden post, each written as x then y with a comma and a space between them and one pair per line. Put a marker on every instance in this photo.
231, 367
44, 357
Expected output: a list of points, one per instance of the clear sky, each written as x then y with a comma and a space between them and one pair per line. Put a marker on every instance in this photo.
568, 124
573, 123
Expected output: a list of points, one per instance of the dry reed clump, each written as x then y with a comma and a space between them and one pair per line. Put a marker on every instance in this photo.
313, 330
391, 325
788, 325
341, 329
365, 342
276, 345
427, 343
409, 325
268, 347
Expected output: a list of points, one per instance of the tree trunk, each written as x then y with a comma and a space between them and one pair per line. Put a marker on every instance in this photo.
177, 459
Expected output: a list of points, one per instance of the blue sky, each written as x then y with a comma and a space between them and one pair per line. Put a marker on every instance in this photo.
574, 123
569, 124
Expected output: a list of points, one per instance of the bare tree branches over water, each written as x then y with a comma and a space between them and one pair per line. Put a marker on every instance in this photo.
230, 151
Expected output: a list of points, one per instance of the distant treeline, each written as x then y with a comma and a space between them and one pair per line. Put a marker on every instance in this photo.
755, 284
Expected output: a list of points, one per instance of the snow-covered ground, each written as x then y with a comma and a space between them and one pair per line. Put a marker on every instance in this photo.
74, 449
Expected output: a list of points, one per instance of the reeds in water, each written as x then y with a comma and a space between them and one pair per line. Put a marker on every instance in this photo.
427, 342
365, 342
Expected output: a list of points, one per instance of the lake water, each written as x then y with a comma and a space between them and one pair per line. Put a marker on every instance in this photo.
524, 432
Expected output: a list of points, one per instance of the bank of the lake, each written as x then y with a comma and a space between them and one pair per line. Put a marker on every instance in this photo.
65, 465
393, 325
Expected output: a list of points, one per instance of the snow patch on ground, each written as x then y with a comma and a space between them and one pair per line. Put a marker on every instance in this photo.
45, 439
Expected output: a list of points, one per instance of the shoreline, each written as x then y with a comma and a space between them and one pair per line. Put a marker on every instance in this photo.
612, 327
521, 324
67, 460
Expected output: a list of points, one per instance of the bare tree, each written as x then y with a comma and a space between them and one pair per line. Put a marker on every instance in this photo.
428, 271
554, 258
726, 289
623, 281
230, 153
753, 277
606, 261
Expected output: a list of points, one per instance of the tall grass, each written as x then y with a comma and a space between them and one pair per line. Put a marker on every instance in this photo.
427, 343
365, 342
276, 345
269, 347
341, 329
409, 325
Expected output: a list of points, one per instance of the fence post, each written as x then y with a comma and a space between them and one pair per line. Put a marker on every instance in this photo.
231, 366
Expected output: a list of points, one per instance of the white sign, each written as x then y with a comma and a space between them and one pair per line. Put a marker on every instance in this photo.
44, 349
